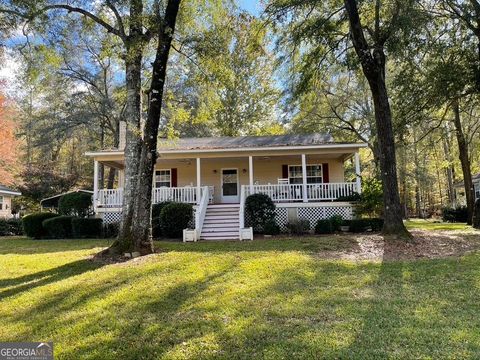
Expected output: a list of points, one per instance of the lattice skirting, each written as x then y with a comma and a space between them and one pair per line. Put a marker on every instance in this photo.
112, 217
313, 214
281, 216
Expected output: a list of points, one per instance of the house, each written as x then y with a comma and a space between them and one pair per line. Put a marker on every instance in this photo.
6, 196
303, 174
460, 189
53, 201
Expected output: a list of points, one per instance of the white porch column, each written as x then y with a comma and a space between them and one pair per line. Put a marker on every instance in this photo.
199, 181
95, 183
357, 172
250, 173
304, 178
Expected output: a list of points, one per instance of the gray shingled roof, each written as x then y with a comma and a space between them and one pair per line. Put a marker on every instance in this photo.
226, 142
4, 188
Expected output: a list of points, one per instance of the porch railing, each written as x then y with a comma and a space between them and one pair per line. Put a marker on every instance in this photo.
113, 198
294, 192
201, 211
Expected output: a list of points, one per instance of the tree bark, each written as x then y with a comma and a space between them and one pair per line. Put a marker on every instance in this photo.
373, 66
449, 170
464, 160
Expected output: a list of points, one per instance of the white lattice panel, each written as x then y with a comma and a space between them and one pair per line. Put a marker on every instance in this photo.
324, 212
112, 217
281, 216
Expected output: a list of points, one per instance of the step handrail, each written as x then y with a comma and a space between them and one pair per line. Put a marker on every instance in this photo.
201, 211
241, 219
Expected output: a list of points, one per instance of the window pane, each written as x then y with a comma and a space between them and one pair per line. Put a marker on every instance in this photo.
162, 178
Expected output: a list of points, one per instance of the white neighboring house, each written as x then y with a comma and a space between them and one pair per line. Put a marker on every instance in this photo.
303, 174
6, 195
460, 189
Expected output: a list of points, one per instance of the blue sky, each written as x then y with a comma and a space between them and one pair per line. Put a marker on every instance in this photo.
252, 6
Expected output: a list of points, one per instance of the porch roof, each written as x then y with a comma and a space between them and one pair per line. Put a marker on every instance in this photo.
7, 191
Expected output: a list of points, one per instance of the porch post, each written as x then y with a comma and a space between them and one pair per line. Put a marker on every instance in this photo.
357, 172
199, 181
250, 173
304, 178
95, 183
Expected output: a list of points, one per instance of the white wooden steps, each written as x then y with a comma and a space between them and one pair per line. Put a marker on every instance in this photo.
221, 222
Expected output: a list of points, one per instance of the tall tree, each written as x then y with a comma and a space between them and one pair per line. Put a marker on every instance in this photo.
9, 145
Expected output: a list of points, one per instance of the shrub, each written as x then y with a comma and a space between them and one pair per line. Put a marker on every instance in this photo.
299, 227
111, 230
324, 226
156, 225
4, 227
271, 227
458, 214
376, 224
259, 210
336, 221
59, 227
15, 226
75, 204
358, 225
32, 224
476, 215
174, 218
351, 198
86, 227
371, 199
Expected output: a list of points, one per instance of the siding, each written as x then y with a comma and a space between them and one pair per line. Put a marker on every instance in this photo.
7, 202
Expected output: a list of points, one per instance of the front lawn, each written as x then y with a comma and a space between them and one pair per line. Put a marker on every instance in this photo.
273, 299
434, 225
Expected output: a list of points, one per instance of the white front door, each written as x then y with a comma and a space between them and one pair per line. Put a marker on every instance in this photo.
230, 188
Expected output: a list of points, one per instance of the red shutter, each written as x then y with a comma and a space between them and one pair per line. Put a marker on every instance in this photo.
174, 177
326, 175
284, 171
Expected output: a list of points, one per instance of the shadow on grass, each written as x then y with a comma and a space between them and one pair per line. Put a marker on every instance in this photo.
14, 286
24, 246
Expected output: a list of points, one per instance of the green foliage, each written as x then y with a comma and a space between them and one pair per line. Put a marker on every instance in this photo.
75, 204
111, 230
32, 224
11, 227
259, 210
324, 226
59, 227
371, 200
298, 227
350, 198
337, 221
271, 227
87, 227
156, 224
458, 214
476, 215
174, 218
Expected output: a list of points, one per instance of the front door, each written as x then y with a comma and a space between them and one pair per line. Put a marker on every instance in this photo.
230, 193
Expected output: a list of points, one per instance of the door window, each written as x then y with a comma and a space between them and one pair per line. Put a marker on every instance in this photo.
230, 187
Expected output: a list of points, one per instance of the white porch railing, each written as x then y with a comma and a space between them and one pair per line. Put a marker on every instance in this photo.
112, 198
201, 210
294, 192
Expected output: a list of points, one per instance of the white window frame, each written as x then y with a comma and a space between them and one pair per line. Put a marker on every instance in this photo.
170, 176
301, 177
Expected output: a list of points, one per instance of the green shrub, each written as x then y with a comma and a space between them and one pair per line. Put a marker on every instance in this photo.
476, 215
86, 227
156, 225
358, 225
299, 227
336, 221
4, 228
174, 218
32, 224
111, 230
350, 198
271, 227
75, 204
376, 224
324, 226
259, 210
59, 227
371, 200
458, 214
15, 226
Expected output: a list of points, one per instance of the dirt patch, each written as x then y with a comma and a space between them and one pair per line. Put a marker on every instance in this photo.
425, 244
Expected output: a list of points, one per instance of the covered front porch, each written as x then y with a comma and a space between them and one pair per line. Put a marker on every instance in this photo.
286, 178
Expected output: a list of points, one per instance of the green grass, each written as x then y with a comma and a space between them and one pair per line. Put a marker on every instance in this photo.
421, 224
271, 299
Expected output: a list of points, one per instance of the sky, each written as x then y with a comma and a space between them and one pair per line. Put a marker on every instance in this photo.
254, 7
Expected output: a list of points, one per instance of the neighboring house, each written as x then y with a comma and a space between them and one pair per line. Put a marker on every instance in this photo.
51, 202
6, 196
460, 189
303, 174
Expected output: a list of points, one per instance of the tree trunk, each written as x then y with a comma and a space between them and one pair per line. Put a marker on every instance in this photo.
373, 66
142, 226
464, 160
449, 170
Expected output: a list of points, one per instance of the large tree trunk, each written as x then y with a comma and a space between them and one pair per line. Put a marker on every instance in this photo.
464, 160
449, 170
373, 66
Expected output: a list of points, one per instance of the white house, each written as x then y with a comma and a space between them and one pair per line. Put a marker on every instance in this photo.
6, 196
303, 174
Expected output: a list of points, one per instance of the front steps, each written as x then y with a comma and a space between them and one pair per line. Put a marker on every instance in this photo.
221, 222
